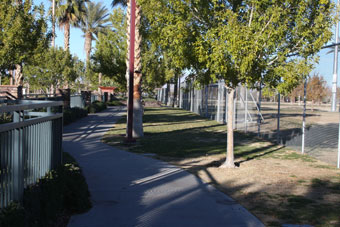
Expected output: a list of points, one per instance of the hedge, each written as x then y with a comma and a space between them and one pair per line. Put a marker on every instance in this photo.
60, 194
73, 114
96, 106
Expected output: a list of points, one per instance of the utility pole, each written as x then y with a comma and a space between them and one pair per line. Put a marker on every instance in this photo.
53, 23
335, 64
131, 69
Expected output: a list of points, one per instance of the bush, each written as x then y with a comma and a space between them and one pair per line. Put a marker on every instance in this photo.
5, 118
72, 114
62, 192
115, 103
96, 106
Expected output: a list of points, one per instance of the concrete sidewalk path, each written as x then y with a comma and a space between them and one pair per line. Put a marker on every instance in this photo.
133, 190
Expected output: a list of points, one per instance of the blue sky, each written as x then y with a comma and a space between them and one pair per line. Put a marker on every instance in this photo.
324, 68
76, 39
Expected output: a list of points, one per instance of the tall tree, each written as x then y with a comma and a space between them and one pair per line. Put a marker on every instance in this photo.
297, 92
70, 13
55, 67
94, 21
316, 89
110, 51
22, 33
247, 42
137, 102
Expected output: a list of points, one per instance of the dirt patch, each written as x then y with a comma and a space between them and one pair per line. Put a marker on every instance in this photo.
152, 104
270, 183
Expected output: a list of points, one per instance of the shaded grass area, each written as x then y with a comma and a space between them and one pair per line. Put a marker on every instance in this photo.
178, 133
174, 135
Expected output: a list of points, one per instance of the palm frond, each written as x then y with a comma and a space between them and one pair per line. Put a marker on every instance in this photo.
119, 2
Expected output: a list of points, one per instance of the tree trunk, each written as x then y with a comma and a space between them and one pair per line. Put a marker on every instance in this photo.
11, 72
99, 84
292, 99
137, 128
229, 162
18, 79
138, 109
88, 46
66, 36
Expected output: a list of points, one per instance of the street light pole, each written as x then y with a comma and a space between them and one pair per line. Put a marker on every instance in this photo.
131, 69
335, 64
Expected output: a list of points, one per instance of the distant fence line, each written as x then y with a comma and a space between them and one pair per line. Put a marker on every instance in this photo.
277, 121
30, 146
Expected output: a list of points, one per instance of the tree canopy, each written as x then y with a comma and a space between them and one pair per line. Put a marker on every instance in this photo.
110, 51
55, 67
243, 41
23, 33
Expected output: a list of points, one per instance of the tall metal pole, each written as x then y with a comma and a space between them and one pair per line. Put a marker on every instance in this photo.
278, 117
335, 65
218, 101
245, 108
53, 23
259, 111
338, 165
304, 116
131, 68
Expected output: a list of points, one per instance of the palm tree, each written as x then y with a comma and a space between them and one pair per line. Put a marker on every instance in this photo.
70, 12
94, 21
137, 102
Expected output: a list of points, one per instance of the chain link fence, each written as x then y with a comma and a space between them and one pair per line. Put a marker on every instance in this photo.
274, 117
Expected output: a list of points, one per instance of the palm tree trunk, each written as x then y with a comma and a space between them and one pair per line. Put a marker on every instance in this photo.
100, 75
229, 162
138, 108
137, 130
66, 36
88, 46
53, 23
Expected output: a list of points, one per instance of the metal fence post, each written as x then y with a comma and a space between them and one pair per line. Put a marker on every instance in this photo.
245, 108
259, 112
206, 101
226, 104
304, 117
338, 163
218, 101
278, 117
235, 109
191, 97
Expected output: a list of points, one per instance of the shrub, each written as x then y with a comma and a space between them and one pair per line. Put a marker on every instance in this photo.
61, 192
115, 103
72, 114
96, 106
5, 118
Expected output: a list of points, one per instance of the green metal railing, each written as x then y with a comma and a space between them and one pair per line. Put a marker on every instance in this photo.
30, 146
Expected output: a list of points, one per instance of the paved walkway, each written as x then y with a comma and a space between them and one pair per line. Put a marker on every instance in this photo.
133, 190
